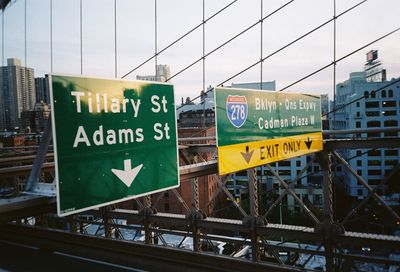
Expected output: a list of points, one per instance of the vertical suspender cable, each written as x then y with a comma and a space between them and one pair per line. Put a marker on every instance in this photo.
2, 37
204, 64
334, 63
334, 94
155, 37
261, 44
26, 61
25, 36
204, 46
51, 35
115, 37
80, 27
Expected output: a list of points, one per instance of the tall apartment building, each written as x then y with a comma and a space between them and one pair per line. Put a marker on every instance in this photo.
42, 89
162, 74
17, 93
380, 108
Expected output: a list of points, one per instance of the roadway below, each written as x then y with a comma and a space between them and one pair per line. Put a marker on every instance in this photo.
28, 248
20, 257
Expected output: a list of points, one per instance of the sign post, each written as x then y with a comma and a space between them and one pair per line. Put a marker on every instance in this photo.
114, 140
259, 127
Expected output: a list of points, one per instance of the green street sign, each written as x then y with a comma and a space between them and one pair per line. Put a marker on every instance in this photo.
258, 127
114, 140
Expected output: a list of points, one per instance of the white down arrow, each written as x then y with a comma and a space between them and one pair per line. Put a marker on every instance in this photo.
128, 175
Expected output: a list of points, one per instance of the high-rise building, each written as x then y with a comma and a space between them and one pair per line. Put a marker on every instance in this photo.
162, 74
380, 108
42, 89
324, 111
17, 93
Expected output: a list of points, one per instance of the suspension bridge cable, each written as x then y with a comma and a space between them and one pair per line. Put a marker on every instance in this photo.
80, 28
51, 35
180, 38
334, 61
283, 47
261, 42
204, 63
25, 32
115, 40
25, 51
291, 43
233, 38
2, 37
155, 38
340, 59
301, 37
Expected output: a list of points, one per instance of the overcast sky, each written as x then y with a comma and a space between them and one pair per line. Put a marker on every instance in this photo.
136, 39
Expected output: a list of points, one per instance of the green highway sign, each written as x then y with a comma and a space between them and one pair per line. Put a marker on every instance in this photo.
258, 127
114, 140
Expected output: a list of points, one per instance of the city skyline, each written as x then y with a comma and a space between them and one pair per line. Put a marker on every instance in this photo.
135, 40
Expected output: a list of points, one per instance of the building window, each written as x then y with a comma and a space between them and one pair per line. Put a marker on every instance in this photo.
374, 153
373, 135
387, 104
390, 134
371, 104
383, 94
373, 94
284, 173
366, 94
298, 163
390, 93
391, 162
391, 152
358, 124
359, 162
360, 192
390, 123
389, 113
284, 163
358, 152
358, 114
359, 172
373, 124
374, 181
358, 104
374, 172
317, 199
372, 113
374, 162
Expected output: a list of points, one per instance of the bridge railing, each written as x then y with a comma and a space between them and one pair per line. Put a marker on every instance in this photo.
251, 236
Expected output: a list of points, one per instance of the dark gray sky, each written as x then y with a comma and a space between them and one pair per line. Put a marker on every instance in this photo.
135, 39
